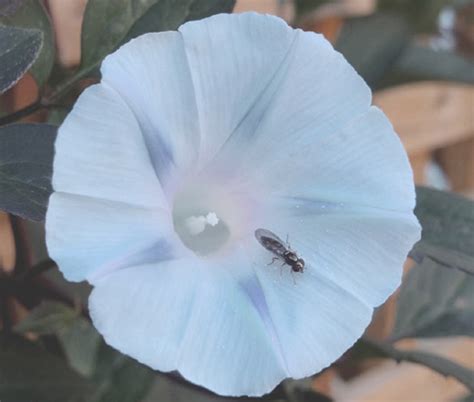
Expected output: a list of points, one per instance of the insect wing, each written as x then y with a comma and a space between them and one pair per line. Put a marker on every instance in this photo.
270, 241
262, 233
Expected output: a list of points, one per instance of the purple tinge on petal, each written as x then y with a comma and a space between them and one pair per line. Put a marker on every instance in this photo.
253, 289
159, 251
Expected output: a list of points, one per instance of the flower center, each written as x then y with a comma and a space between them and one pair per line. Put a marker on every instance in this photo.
199, 221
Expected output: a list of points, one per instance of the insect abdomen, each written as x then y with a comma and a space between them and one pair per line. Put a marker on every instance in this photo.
273, 246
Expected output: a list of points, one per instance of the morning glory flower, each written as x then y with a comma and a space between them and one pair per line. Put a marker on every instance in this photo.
191, 142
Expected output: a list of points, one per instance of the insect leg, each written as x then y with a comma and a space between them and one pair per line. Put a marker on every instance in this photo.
273, 260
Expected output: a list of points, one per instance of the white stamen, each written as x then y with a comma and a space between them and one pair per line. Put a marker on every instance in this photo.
197, 224
212, 219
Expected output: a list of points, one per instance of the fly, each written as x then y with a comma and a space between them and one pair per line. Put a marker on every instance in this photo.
282, 250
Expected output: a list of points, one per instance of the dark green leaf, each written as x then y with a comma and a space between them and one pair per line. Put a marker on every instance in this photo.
26, 157
422, 14
364, 349
435, 301
47, 319
29, 373
77, 291
19, 48
119, 378
302, 391
106, 25
437, 363
448, 229
467, 398
80, 342
9, 7
306, 6
170, 14
309, 396
204, 8
372, 44
57, 115
32, 15
420, 63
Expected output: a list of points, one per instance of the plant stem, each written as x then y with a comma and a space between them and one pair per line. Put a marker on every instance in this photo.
19, 114
440, 364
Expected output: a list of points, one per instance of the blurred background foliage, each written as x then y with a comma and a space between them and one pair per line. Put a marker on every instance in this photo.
49, 351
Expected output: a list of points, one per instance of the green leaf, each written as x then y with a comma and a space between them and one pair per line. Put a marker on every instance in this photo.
29, 373
80, 342
19, 48
26, 157
78, 291
448, 229
119, 378
372, 44
437, 363
204, 8
9, 7
306, 6
47, 319
420, 63
32, 15
57, 115
467, 398
302, 391
170, 14
308, 395
422, 14
435, 301
106, 24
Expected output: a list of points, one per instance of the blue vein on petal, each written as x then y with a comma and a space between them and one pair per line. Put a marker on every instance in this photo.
302, 206
256, 114
253, 288
159, 153
159, 251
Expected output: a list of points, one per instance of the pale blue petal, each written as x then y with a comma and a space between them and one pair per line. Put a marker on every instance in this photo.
362, 250
315, 320
100, 152
236, 64
151, 74
346, 201
362, 164
88, 237
314, 93
192, 316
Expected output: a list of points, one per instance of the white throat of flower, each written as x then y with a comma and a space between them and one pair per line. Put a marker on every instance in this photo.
202, 216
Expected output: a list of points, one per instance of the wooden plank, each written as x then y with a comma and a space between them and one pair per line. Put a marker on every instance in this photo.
66, 16
7, 244
458, 163
391, 382
429, 115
